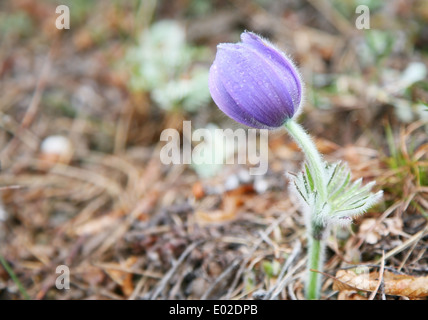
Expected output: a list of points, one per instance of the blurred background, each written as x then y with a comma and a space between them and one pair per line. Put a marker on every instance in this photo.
82, 110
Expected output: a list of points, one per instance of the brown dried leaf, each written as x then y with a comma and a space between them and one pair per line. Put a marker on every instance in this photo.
326, 146
348, 280
82, 39
198, 190
231, 203
216, 216
396, 285
120, 274
228, 213
92, 275
350, 295
99, 224
373, 230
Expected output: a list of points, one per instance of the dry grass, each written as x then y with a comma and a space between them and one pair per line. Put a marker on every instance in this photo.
129, 227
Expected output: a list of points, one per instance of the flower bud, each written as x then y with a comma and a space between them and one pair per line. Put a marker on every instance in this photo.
254, 83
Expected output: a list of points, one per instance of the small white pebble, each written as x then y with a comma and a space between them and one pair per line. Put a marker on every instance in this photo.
232, 182
261, 185
244, 176
56, 144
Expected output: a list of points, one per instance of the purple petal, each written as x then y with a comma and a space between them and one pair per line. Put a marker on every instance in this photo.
225, 102
255, 84
280, 60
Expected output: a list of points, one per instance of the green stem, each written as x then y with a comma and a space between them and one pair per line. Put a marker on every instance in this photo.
316, 232
315, 262
316, 164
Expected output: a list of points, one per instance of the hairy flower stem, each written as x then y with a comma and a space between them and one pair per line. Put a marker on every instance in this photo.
316, 164
316, 247
316, 232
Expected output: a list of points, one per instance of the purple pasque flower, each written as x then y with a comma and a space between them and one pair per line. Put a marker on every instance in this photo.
254, 83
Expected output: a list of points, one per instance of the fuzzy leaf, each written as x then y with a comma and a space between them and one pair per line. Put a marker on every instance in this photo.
346, 199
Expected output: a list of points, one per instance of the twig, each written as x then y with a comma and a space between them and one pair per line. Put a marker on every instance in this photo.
143, 206
111, 266
266, 239
35, 101
253, 249
123, 126
287, 278
381, 272
414, 238
112, 187
220, 278
291, 292
371, 265
138, 288
32, 108
410, 252
170, 273
282, 278
10, 187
